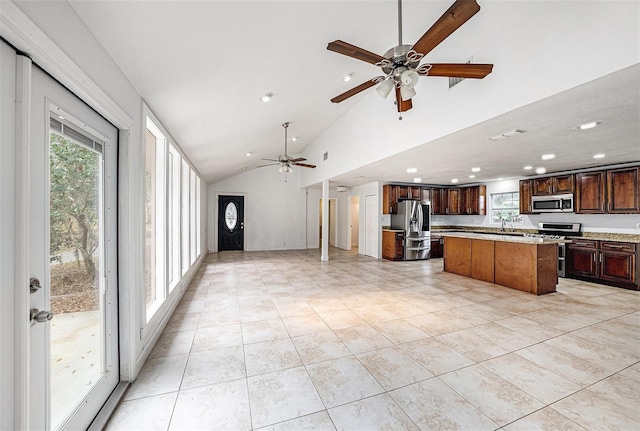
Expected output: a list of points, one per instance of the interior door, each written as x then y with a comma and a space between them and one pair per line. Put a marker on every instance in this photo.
230, 223
73, 338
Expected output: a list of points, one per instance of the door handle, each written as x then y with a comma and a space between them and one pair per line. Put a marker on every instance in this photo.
38, 316
242, 225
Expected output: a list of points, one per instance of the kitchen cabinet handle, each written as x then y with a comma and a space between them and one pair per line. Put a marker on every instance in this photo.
615, 246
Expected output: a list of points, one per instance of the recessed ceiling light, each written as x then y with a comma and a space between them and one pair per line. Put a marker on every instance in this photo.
417, 180
294, 139
454, 180
599, 156
528, 168
541, 170
266, 97
587, 126
548, 156
244, 168
347, 77
248, 154
500, 179
412, 170
476, 169
472, 176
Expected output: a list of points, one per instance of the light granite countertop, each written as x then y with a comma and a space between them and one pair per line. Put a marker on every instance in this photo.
505, 238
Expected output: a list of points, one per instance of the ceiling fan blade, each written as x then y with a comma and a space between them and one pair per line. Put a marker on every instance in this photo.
403, 105
271, 160
459, 70
356, 90
305, 165
349, 50
270, 164
301, 159
459, 13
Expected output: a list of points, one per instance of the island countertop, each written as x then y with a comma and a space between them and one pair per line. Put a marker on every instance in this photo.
505, 238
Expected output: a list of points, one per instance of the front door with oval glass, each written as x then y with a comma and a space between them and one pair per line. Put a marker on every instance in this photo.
230, 223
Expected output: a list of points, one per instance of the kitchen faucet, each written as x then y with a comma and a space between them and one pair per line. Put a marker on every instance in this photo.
503, 220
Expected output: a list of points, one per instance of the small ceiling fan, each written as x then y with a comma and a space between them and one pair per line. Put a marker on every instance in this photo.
287, 162
401, 64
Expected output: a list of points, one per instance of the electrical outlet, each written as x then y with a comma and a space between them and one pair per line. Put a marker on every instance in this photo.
637, 225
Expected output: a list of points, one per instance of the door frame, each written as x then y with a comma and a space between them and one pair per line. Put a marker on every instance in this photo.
216, 209
350, 218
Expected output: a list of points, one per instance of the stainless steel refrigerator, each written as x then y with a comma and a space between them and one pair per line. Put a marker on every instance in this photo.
414, 219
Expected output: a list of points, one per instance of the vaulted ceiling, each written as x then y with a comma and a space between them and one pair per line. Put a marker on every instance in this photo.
202, 66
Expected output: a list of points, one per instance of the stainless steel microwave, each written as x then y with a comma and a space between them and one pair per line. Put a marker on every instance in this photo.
552, 203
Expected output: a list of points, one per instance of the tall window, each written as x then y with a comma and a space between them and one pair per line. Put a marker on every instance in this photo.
154, 218
186, 262
172, 205
173, 217
505, 206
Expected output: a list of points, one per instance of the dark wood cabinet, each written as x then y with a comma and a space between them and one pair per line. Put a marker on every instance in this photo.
392, 245
453, 202
608, 262
563, 184
526, 191
542, 186
589, 198
473, 200
389, 199
623, 190
436, 247
615, 191
553, 185
582, 259
403, 192
439, 203
415, 193
425, 195
618, 262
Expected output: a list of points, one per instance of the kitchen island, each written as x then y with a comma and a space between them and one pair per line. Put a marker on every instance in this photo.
523, 263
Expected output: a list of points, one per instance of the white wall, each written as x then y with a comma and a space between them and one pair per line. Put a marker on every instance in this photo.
612, 223
561, 44
275, 210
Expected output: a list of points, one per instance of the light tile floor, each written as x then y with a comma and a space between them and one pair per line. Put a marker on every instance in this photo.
282, 341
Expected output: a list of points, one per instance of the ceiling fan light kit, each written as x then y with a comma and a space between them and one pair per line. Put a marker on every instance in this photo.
401, 64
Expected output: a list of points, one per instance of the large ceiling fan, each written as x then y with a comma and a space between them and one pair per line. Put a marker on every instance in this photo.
401, 64
287, 162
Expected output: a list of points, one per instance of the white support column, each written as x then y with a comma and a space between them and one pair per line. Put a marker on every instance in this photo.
325, 221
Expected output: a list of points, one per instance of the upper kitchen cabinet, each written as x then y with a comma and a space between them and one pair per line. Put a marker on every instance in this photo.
415, 193
474, 200
453, 202
439, 199
553, 185
615, 191
526, 191
403, 192
389, 199
590, 192
623, 190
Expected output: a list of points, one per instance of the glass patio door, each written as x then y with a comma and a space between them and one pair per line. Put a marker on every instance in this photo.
73, 252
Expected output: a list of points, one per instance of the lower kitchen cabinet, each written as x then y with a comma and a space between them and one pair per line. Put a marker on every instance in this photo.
436, 247
606, 262
393, 245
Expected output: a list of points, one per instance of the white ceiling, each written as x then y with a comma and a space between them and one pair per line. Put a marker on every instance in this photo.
202, 67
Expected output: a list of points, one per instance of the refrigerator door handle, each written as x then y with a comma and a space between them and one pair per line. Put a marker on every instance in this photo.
420, 218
